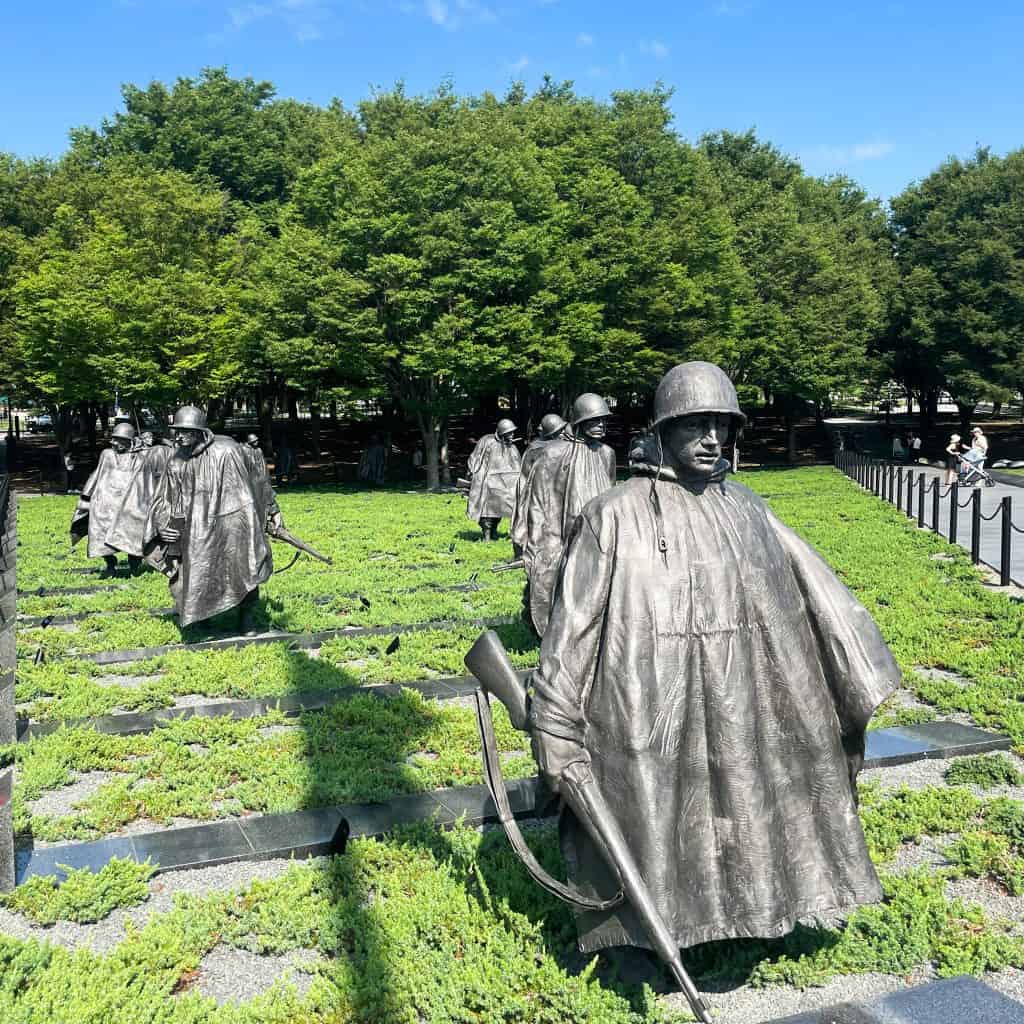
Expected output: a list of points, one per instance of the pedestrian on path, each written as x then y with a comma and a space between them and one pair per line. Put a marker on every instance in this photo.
914, 449
898, 451
952, 459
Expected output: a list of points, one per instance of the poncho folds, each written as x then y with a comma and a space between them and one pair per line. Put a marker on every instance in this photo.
713, 684
261, 485
223, 553
565, 476
115, 501
494, 468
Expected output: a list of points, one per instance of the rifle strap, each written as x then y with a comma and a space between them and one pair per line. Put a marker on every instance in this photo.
496, 786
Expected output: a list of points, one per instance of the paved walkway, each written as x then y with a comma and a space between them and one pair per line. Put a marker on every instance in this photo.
991, 531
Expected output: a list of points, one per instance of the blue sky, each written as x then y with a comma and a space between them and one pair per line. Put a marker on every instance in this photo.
881, 91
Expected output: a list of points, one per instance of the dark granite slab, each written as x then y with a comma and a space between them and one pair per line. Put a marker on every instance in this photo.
378, 818
300, 834
75, 855
526, 797
952, 1001
197, 846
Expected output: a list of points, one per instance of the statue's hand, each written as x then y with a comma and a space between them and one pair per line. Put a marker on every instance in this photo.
275, 521
554, 754
169, 535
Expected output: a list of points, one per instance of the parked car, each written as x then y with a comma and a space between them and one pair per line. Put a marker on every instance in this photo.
41, 424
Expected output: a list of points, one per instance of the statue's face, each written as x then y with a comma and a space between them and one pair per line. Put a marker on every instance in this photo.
595, 429
119, 444
693, 444
147, 437
186, 438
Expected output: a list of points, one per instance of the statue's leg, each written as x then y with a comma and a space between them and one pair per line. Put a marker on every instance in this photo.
110, 566
134, 565
247, 613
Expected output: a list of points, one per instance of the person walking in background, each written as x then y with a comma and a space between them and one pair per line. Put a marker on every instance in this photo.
899, 453
979, 443
913, 448
952, 459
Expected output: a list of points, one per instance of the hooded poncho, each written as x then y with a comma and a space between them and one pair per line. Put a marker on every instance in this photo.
494, 468
209, 496
714, 684
566, 475
116, 499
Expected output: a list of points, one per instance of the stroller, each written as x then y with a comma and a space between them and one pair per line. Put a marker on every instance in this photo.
972, 470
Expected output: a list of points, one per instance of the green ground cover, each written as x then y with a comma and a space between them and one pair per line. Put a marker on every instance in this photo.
410, 927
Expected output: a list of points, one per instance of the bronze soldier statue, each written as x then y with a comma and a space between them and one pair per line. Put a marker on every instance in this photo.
115, 500
261, 485
568, 473
552, 426
707, 673
493, 468
205, 529
373, 463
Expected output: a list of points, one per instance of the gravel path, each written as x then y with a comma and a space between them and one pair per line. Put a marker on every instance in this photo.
921, 774
229, 975
59, 803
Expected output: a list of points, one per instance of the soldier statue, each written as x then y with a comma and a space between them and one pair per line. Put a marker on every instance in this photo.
552, 426
705, 668
569, 472
373, 463
205, 529
493, 468
260, 476
115, 500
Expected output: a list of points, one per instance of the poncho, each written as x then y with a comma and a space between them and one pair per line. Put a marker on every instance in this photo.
373, 463
714, 684
494, 469
517, 528
567, 474
223, 553
260, 478
116, 499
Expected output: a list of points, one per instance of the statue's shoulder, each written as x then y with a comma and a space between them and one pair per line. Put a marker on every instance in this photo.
743, 495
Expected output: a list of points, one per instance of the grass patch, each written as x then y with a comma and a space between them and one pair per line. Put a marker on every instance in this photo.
985, 771
83, 896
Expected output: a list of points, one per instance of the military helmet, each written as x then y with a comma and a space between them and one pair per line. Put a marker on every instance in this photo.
123, 430
505, 427
189, 417
252, 439
551, 426
589, 407
696, 387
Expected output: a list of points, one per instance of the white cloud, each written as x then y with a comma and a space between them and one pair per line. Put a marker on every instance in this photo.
304, 19
464, 12
517, 66
584, 39
655, 48
841, 156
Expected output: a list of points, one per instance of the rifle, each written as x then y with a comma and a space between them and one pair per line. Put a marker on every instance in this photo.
463, 484
286, 537
512, 566
488, 661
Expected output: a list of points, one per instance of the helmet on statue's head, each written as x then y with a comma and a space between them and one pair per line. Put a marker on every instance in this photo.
505, 429
693, 388
252, 440
124, 431
589, 407
551, 426
189, 417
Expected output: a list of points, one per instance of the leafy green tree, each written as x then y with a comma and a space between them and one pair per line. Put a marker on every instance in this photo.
957, 319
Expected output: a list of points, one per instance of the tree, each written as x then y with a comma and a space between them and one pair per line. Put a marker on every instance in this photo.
957, 320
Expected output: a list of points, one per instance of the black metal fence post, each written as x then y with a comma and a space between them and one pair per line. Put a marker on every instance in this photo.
954, 511
935, 505
976, 526
899, 489
1004, 554
8, 612
920, 500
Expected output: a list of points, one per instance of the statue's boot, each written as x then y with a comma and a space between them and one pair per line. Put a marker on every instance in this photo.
134, 565
247, 613
109, 567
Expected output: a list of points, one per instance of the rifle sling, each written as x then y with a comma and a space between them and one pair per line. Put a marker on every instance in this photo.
496, 786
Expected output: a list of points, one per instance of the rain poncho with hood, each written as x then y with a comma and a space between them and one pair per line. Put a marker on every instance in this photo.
721, 679
223, 553
494, 468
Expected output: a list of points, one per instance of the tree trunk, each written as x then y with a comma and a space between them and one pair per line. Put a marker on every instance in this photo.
90, 429
429, 430
293, 409
965, 410
314, 420
104, 416
446, 467
265, 407
997, 407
